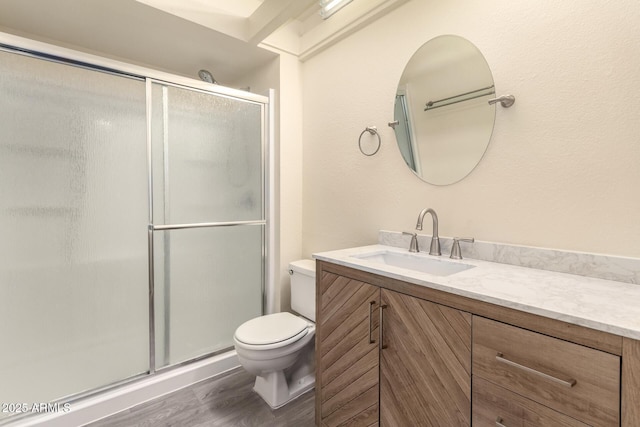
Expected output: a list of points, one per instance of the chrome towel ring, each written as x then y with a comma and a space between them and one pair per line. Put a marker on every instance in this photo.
372, 130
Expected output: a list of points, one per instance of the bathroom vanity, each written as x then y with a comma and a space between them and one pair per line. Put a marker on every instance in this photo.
488, 344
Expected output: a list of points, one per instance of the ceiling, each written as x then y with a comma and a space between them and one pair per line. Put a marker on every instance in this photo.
236, 8
227, 37
133, 32
292, 26
248, 20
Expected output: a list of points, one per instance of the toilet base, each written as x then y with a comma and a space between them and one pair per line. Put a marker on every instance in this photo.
276, 391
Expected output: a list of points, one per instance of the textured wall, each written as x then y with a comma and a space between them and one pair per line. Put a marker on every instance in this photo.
562, 168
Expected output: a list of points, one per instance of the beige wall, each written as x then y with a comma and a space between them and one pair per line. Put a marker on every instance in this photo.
563, 166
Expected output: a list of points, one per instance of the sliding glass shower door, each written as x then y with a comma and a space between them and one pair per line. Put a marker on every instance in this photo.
132, 225
208, 219
73, 216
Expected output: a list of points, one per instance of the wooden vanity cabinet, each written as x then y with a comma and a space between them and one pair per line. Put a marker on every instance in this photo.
630, 407
574, 380
347, 356
425, 363
527, 370
494, 406
415, 371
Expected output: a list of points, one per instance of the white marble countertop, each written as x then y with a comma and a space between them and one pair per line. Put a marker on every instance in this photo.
604, 305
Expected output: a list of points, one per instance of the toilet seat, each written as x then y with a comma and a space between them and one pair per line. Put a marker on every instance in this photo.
271, 331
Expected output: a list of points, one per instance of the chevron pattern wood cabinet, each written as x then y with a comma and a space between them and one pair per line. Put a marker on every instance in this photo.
392, 353
347, 357
425, 366
415, 370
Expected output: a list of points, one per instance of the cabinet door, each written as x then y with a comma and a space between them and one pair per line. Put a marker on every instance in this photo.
425, 363
347, 351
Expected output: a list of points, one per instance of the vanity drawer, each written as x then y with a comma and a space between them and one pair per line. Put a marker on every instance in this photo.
578, 381
495, 406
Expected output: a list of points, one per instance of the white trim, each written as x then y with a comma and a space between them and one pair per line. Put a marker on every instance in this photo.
351, 19
270, 16
273, 223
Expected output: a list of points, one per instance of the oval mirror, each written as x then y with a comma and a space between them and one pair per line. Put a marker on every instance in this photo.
443, 121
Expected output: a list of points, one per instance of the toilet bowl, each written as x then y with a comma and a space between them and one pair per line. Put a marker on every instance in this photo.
279, 348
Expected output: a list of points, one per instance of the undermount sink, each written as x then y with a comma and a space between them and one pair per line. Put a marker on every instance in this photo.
416, 262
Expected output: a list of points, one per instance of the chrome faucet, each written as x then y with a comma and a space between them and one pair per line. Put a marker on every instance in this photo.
435, 240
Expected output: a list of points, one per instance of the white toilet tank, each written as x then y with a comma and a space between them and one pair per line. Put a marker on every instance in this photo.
303, 288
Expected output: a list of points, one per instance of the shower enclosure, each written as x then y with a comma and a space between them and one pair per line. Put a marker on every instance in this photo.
133, 224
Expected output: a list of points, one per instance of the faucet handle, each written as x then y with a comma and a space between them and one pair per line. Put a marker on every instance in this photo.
456, 253
413, 246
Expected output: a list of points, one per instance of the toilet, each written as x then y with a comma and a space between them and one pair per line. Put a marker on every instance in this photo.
279, 348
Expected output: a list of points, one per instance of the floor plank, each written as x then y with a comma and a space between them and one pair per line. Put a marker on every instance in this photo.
226, 400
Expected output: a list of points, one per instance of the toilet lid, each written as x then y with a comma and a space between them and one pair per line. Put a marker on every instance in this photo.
270, 329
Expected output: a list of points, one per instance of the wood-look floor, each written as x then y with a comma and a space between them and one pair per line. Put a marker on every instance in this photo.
226, 400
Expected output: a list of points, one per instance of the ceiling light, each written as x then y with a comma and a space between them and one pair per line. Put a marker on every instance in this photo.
329, 7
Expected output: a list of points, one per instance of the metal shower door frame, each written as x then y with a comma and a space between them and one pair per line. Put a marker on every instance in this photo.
266, 183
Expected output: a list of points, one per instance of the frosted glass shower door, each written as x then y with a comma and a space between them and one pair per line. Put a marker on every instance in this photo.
73, 229
208, 217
